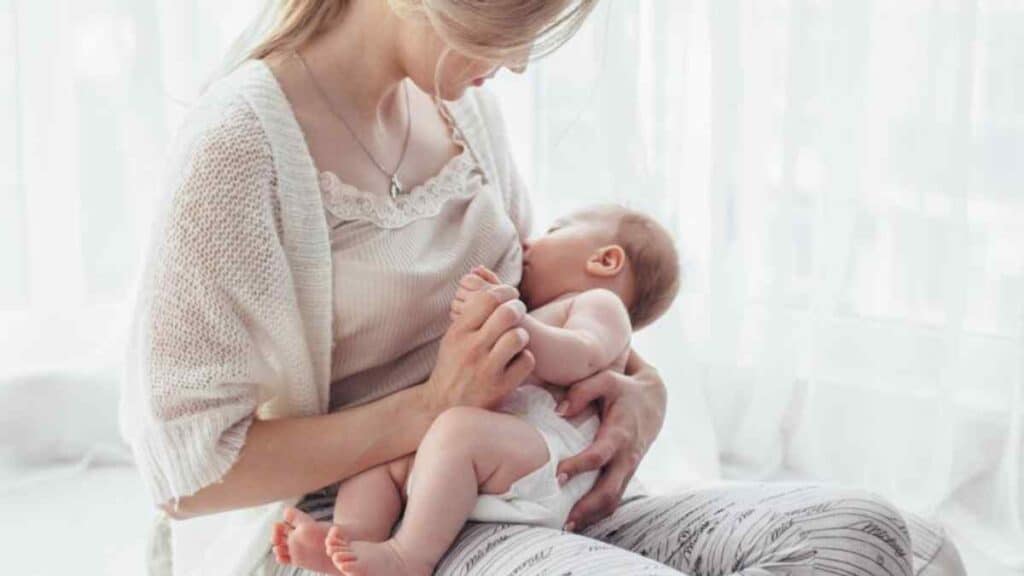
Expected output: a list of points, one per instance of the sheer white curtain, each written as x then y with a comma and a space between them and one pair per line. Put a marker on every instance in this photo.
90, 93
844, 178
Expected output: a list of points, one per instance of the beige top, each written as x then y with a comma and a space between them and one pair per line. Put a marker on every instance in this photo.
396, 264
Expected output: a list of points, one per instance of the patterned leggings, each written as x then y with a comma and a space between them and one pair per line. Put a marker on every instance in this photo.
739, 530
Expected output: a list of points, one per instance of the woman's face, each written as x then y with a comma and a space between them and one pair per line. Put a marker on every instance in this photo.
423, 51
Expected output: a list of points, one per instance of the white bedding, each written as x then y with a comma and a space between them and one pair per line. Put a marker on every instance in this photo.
73, 520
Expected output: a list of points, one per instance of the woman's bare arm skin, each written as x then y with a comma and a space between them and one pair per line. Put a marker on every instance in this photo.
285, 457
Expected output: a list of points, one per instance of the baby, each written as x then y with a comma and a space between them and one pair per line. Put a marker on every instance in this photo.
595, 276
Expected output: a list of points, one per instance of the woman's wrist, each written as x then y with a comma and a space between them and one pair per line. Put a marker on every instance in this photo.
425, 403
656, 395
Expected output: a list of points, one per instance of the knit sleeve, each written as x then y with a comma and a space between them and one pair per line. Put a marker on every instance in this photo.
513, 186
216, 288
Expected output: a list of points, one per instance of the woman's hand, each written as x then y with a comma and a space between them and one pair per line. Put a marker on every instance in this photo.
482, 356
632, 411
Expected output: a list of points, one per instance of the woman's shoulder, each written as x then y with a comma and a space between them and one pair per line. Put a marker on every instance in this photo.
242, 110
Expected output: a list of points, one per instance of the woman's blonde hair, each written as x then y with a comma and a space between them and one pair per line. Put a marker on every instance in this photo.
490, 29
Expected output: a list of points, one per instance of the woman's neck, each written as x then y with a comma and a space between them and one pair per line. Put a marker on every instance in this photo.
357, 63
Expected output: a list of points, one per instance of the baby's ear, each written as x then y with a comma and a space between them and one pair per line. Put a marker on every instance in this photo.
607, 261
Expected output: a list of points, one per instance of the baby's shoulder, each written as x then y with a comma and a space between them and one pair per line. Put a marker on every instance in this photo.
600, 301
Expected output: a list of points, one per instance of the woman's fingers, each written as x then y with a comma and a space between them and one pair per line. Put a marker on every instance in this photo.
480, 306
521, 366
508, 345
607, 443
504, 318
604, 497
581, 394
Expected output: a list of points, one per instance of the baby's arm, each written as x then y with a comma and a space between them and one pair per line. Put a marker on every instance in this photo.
595, 334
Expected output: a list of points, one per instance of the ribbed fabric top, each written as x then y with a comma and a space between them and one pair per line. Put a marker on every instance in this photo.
257, 264
396, 264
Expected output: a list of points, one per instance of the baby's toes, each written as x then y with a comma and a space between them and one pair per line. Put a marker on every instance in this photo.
336, 540
281, 554
279, 536
457, 307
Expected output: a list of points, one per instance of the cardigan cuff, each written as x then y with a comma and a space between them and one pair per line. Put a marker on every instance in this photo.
180, 457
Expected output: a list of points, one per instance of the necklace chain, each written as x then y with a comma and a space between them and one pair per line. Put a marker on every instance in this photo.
395, 187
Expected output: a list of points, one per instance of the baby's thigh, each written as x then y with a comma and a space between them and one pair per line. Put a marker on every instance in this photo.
398, 469
503, 448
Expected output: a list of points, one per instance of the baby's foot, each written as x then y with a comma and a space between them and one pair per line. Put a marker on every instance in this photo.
371, 558
479, 279
299, 540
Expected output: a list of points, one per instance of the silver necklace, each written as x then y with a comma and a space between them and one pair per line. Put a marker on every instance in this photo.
396, 186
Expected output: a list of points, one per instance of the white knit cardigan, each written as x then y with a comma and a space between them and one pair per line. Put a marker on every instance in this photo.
233, 317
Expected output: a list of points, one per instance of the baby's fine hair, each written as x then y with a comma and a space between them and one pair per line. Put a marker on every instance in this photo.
653, 258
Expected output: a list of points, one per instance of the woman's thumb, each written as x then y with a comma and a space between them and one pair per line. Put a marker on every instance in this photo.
583, 393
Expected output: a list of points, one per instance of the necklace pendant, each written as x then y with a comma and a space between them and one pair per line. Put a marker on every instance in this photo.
396, 186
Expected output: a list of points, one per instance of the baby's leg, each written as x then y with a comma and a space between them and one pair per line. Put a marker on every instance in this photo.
467, 451
368, 504
366, 508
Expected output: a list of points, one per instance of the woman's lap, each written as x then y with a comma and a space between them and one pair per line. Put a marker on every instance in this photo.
743, 529
760, 529
505, 549
780, 529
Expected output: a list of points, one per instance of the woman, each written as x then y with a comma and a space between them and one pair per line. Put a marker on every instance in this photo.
325, 197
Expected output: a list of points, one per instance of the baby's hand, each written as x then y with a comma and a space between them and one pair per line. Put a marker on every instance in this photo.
480, 278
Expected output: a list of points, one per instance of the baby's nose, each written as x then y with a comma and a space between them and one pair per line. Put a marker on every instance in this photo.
526, 245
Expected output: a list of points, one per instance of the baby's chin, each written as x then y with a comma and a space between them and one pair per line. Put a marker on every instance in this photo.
525, 297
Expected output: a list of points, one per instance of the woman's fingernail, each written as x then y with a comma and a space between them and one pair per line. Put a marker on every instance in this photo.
562, 407
570, 526
562, 479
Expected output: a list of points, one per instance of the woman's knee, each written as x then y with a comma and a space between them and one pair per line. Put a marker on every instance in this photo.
869, 512
858, 526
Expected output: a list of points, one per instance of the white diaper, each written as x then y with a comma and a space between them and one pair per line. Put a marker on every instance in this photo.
537, 498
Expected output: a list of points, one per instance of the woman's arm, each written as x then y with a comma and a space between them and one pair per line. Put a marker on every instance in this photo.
288, 456
480, 360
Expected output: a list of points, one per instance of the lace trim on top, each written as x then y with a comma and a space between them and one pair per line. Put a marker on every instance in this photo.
455, 180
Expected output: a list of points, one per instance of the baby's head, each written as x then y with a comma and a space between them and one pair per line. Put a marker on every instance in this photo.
606, 246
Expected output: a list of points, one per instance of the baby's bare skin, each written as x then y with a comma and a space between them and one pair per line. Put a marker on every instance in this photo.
468, 451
